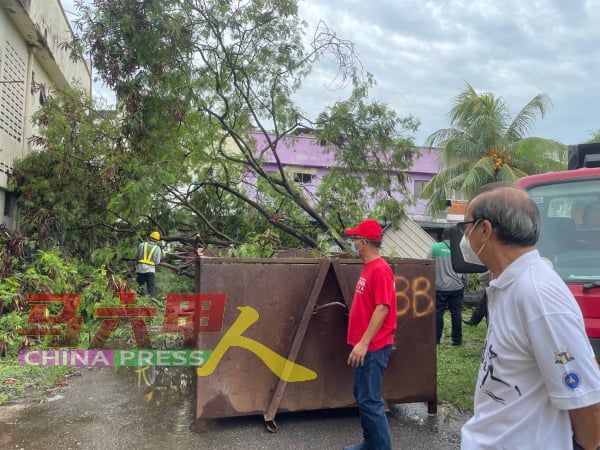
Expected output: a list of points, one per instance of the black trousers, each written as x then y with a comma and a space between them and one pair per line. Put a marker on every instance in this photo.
147, 279
453, 301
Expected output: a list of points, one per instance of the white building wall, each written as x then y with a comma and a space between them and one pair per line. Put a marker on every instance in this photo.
32, 66
54, 30
13, 77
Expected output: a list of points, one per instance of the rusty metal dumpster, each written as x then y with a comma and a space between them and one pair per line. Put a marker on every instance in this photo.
282, 345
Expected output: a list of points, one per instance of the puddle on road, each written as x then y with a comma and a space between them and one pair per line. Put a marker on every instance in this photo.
116, 408
163, 389
10, 413
171, 389
159, 399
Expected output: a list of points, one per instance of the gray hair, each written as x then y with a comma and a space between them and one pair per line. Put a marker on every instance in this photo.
512, 212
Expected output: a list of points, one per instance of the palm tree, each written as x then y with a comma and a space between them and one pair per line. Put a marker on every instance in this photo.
486, 144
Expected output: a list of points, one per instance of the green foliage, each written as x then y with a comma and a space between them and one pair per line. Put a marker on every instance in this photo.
10, 341
42, 272
474, 284
96, 292
49, 272
178, 156
10, 294
595, 139
328, 248
486, 144
258, 246
168, 282
53, 272
372, 156
20, 381
65, 189
62, 275
457, 367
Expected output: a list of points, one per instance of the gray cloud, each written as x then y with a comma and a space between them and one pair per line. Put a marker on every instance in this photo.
422, 52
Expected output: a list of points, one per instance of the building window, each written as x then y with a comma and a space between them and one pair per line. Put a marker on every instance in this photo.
10, 203
418, 187
303, 178
12, 92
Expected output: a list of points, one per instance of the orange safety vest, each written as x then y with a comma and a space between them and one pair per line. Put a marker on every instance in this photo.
147, 257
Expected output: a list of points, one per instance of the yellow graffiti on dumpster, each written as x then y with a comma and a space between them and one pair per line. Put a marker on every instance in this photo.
285, 369
413, 297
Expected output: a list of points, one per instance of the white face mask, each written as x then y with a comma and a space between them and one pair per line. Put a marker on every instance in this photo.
353, 248
465, 247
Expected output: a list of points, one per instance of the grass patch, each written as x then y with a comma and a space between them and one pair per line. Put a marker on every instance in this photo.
457, 367
26, 381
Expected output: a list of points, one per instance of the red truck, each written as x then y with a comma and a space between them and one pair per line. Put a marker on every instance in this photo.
569, 204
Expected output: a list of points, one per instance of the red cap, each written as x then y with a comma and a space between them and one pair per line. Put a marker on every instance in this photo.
368, 229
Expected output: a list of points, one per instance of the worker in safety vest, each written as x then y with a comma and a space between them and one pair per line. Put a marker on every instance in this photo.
148, 257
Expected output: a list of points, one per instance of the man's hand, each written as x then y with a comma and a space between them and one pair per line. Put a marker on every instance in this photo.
357, 355
585, 421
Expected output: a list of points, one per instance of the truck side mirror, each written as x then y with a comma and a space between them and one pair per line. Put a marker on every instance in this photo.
458, 263
583, 155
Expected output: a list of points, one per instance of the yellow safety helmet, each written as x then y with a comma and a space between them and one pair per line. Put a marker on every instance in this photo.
155, 235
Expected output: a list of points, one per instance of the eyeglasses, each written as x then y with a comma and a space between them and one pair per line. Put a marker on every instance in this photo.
462, 226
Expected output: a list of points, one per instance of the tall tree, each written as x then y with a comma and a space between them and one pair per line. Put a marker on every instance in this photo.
485, 144
76, 190
66, 186
193, 77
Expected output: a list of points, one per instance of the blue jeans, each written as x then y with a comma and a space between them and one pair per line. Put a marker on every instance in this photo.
368, 380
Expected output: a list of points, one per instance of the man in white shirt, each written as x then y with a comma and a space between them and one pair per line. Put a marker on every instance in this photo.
538, 383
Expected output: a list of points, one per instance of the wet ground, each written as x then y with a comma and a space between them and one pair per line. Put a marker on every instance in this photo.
120, 409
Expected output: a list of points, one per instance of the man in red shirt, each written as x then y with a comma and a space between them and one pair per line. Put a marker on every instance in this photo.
371, 334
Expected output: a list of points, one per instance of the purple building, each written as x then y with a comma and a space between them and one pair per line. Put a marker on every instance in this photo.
304, 157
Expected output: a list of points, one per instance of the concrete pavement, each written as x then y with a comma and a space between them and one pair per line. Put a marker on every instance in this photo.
105, 409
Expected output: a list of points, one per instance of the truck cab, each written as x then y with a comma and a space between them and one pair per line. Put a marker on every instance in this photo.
569, 205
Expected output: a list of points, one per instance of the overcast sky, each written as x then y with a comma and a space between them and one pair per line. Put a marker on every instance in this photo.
422, 52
